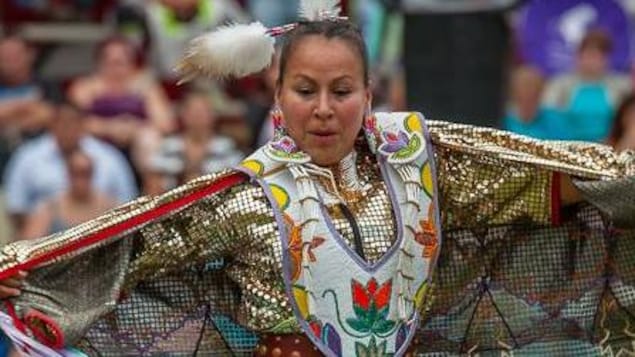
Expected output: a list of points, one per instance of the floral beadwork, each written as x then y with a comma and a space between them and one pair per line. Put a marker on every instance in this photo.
301, 297
427, 235
327, 334
373, 349
254, 166
296, 246
400, 146
371, 304
285, 149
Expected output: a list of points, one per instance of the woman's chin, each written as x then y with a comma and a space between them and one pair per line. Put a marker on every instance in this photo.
327, 158
327, 155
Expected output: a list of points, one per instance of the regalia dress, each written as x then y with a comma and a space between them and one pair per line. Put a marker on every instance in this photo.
430, 238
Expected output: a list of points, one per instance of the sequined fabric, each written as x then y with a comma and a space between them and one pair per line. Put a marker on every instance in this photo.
507, 278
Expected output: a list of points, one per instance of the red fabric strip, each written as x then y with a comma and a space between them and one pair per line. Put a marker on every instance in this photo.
16, 321
145, 217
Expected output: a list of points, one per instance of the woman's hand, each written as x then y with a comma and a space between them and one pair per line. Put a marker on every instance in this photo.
10, 287
569, 194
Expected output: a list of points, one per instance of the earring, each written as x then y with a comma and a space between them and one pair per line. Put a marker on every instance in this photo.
370, 129
279, 130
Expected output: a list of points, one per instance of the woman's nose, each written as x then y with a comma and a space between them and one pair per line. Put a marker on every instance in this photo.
323, 109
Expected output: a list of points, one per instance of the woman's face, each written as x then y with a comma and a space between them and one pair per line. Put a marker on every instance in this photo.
323, 97
526, 92
116, 60
197, 114
80, 170
592, 62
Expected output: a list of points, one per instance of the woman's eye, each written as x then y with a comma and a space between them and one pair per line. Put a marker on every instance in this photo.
304, 91
342, 92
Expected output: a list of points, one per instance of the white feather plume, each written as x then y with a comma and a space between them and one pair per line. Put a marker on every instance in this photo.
316, 10
230, 51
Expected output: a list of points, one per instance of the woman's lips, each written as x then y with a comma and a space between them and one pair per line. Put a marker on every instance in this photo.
323, 137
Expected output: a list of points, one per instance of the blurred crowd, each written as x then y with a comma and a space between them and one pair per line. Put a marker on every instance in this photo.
108, 122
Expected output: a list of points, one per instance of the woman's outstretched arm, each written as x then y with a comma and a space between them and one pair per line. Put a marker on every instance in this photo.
489, 176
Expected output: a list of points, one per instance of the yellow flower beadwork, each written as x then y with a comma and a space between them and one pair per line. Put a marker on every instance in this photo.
254, 166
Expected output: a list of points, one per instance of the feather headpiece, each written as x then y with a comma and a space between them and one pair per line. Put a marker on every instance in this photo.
238, 50
230, 51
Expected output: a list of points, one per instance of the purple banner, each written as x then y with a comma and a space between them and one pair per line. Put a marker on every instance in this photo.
549, 32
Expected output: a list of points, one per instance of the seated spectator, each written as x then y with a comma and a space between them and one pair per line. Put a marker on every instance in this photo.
77, 204
127, 107
23, 113
195, 151
165, 27
171, 24
37, 171
525, 115
588, 97
623, 132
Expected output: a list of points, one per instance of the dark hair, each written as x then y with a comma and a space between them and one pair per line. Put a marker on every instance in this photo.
135, 53
74, 155
617, 131
65, 105
340, 29
596, 38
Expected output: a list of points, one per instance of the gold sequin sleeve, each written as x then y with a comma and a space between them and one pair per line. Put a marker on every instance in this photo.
109, 282
202, 229
215, 227
489, 177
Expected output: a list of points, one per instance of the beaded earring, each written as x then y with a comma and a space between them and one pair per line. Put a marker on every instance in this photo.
370, 129
279, 130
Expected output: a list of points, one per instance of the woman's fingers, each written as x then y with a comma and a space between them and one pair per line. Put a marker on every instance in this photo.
12, 282
6, 292
11, 287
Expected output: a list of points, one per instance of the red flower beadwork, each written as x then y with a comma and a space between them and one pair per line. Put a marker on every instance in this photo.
371, 304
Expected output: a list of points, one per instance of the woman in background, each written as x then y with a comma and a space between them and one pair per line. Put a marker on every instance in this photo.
127, 106
79, 203
525, 114
195, 151
587, 97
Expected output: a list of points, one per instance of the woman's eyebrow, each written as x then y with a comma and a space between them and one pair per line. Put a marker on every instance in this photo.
343, 78
304, 77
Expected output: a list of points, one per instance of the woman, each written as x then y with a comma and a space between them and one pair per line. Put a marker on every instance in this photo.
525, 115
78, 204
587, 97
329, 248
196, 150
127, 107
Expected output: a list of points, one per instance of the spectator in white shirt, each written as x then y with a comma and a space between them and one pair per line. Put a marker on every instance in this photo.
37, 170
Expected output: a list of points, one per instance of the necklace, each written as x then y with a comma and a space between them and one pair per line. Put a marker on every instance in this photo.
341, 182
